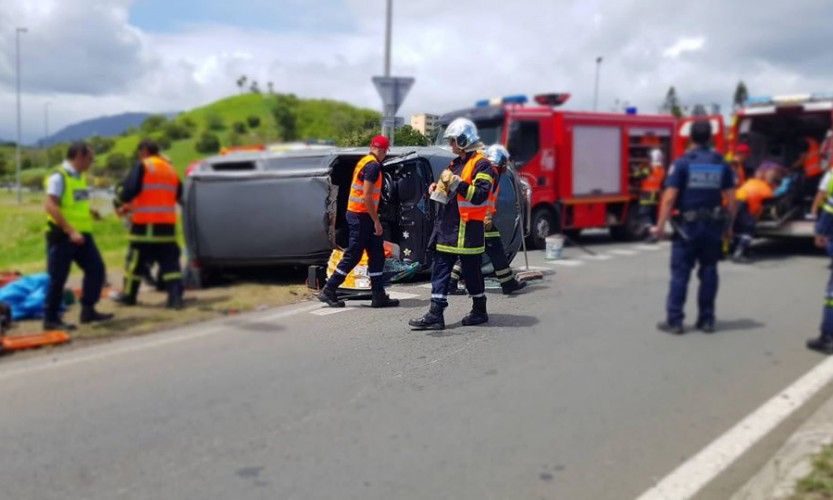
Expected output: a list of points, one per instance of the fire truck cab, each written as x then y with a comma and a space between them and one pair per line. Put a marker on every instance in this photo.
579, 166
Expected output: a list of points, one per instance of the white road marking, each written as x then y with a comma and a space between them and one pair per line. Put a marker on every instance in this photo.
625, 253
649, 248
327, 311
689, 478
426, 285
565, 263
403, 295
130, 346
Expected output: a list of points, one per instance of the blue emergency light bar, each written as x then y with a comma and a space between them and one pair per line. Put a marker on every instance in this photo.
500, 101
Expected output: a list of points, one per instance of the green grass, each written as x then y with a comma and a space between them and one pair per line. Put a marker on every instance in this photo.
23, 246
819, 483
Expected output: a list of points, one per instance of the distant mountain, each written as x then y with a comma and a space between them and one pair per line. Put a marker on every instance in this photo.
103, 126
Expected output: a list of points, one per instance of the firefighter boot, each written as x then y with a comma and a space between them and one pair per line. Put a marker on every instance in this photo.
433, 320
90, 315
478, 314
381, 299
330, 297
175, 292
513, 285
821, 344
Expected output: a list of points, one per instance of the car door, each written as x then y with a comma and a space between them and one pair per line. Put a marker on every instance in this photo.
409, 179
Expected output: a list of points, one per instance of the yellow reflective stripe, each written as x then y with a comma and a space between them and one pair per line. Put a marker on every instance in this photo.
132, 264
461, 234
506, 279
828, 303
151, 239
171, 276
461, 251
493, 234
483, 177
470, 192
827, 208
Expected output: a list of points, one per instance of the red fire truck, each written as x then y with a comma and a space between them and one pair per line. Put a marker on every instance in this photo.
579, 165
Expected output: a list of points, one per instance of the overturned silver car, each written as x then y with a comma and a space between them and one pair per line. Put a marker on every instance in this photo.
263, 209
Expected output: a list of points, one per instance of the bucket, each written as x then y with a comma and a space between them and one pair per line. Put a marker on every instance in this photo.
555, 245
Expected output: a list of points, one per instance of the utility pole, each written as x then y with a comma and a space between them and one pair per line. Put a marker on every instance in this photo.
18, 31
392, 89
388, 23
596, 91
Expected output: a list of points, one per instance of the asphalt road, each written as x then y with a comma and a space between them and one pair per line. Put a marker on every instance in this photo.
569, 392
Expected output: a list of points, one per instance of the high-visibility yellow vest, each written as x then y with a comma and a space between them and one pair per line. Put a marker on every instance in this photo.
75, 201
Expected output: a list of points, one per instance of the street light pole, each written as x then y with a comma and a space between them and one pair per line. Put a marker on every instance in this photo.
18, 31
387, 113
596, 91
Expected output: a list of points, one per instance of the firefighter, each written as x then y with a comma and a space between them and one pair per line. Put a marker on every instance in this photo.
365, 229
810, 159
69, 239
738, 163
823, 238
750, 205
152, 189
459, 227
652, 175
696, 185
498, 156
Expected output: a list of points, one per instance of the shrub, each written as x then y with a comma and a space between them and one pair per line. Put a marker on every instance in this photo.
175, 131
215, 122
117, 165
239, 127
101, 145
32, 180
253, 121
153, 123
208, 143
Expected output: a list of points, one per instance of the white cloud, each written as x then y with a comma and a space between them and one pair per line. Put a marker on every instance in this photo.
684, 45
86, 58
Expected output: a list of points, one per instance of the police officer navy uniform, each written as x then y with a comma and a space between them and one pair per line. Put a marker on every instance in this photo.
69, 238
365, 229
498, 156
696, 185
152, 189
459, 231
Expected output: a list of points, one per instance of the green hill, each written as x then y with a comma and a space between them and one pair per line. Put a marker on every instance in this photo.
234, 121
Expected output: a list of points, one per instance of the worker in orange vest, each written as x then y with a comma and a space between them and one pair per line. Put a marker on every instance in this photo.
810, 159
652, 175
751, 197
152, 189
365, 229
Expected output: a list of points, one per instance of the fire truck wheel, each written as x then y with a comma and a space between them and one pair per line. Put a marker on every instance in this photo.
542, 226
631, 228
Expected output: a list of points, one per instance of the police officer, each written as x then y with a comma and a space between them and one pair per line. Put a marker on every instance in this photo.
459, 226
696, 185
365, 229
498, 156
152, 189
69, 238
824, 239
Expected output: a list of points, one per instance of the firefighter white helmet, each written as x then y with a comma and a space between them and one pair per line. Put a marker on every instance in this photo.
498, 155
463, 131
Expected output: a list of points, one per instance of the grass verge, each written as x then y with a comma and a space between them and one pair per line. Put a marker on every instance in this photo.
818, 484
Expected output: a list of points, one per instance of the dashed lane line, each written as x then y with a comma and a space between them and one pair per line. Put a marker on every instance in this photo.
623, 253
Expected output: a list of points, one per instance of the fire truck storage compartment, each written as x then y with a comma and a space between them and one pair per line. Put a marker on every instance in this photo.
597, 160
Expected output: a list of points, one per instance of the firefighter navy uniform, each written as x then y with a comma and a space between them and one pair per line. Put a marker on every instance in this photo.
362, 237
153, 189
494, 247
700, 176
459, 233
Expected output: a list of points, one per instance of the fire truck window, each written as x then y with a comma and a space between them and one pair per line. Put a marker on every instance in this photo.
524, 141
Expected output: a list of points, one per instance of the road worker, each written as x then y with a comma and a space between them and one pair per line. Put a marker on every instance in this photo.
459, 230
152, 189
696, 186
824, 239
498, 156
365, 229
69, 238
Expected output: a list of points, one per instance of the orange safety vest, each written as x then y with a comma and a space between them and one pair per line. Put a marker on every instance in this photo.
356, 202
812, 160
653, 182
468, 210
754, 192
156, 204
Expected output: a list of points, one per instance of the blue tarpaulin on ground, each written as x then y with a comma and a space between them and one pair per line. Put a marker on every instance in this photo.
25, 296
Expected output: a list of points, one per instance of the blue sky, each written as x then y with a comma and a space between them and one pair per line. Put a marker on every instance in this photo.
171, 16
